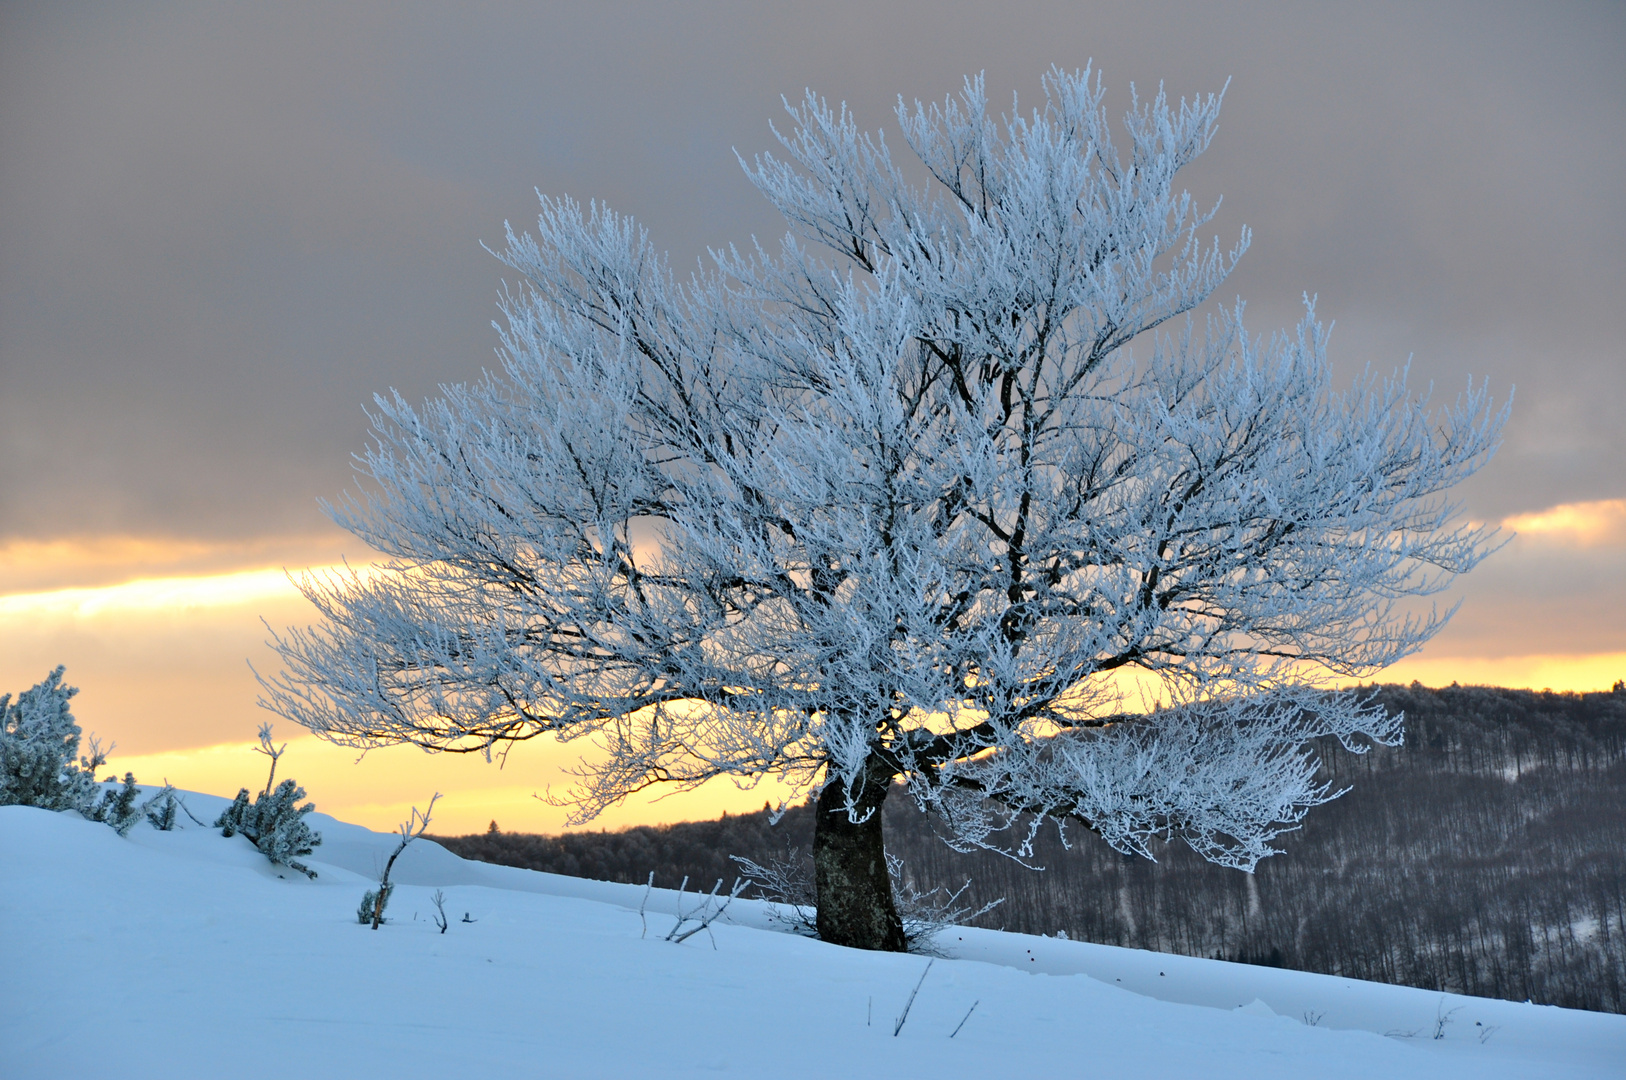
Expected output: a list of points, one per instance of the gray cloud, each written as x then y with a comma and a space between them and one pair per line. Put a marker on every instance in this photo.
222, 228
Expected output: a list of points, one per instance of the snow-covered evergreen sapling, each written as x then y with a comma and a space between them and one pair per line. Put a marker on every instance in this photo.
373, 902
117, 807
275, 824
411, 829
161, 808
38, 743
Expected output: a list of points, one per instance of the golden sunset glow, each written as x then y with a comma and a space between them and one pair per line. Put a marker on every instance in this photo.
26, 561
150, 595
33, 566
380, 789
162, 661
162, 665
1589, 524
1577, 674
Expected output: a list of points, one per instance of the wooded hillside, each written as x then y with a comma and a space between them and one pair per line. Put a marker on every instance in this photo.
1487, 856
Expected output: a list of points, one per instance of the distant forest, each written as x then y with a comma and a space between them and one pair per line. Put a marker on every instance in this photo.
1486, 856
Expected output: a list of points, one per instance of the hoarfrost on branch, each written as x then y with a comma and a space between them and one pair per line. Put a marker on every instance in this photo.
898, 497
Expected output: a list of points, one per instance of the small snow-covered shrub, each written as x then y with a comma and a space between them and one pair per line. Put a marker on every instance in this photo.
788, 883
926, 912
373, 903
38, 743
274, 823
160, 809
117, 807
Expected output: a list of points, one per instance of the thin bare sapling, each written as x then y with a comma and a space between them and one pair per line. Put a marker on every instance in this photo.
374, 900
706, 911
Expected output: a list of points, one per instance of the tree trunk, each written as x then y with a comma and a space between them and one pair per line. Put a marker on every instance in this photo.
854, 890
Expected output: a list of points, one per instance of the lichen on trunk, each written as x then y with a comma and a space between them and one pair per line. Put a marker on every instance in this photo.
855, 905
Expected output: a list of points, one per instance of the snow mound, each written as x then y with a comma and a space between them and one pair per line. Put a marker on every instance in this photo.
187, 954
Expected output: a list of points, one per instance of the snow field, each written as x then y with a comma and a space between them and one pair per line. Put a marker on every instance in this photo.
185, 954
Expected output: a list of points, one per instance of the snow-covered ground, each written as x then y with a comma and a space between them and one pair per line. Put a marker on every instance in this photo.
187, 955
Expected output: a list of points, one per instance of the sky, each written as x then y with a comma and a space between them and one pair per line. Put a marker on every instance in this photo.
223, 228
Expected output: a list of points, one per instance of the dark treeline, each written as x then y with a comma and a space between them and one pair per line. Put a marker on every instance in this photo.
1486, 856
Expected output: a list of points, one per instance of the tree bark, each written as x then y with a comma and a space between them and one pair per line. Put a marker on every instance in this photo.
854, 890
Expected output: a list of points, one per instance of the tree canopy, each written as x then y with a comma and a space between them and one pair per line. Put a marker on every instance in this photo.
901, 498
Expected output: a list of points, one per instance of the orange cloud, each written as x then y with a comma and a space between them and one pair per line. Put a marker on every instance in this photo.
1601, 523
94, 561
148, 595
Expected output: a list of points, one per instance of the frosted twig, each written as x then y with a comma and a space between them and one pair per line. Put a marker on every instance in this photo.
704, 915
1442, 1017
188, 810
271, 751
410, 830
964, 1018
904, 1016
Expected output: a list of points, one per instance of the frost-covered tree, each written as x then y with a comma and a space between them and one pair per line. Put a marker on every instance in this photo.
274, 823
39, 740
904, 498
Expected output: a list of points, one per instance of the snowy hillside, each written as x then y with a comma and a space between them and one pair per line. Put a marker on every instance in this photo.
185, 954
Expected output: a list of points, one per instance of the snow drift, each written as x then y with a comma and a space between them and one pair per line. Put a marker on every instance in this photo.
188, 954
